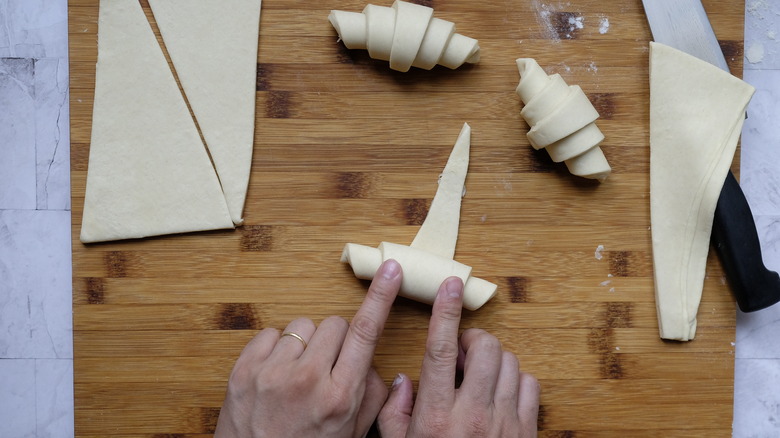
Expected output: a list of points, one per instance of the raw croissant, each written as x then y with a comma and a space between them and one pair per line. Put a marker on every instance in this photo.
562, 121
405, 34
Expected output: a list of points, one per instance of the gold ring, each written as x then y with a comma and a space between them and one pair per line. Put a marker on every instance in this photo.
296, 336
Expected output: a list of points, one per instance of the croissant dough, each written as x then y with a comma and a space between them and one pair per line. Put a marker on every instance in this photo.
696, 115
428, 261
562, 121
220, 87
149, 173
406, 34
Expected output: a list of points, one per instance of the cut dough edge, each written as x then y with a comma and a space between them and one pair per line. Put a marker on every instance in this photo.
696, 116
153, 177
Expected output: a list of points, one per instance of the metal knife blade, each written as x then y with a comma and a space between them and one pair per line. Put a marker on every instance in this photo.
683, 24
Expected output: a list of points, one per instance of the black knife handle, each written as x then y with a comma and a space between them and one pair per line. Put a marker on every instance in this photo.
736, 240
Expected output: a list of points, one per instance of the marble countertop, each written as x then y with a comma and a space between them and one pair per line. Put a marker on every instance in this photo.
36, 348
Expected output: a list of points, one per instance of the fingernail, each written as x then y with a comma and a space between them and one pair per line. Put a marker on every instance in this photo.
454, 287
398, 380
390, 269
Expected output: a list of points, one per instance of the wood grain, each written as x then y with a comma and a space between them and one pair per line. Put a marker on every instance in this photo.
348, 151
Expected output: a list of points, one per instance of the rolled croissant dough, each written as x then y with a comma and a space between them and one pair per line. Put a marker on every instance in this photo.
406, 34
562, 121
149, 173
428, 261
696, 116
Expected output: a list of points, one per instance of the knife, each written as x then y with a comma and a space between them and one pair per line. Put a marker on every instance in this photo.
683, 24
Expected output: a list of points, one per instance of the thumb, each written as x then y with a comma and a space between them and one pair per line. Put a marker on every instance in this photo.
396, 414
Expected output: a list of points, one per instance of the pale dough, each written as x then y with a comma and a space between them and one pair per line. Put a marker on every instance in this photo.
696, 115
149, 172
429, 259
213, 46
562, 121
406, 34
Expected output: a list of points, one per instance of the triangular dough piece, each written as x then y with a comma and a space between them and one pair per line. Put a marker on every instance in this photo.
213, 46
439, 232
149, 172
696, 116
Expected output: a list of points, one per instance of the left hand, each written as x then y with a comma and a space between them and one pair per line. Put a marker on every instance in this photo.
321, 385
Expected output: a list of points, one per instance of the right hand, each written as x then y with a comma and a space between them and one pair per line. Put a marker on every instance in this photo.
495, 399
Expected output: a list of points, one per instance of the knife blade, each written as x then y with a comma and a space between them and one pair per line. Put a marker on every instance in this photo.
683, 24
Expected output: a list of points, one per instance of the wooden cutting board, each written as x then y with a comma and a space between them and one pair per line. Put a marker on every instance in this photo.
348, 151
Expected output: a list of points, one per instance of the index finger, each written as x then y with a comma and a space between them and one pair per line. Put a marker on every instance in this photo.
437, 377
367, 324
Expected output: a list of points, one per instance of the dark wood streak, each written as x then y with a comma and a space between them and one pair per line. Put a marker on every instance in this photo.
541, 417
116, 264
208, 419
599, 340
518, 289
415, 211
611, 366
95, 290
562, 23
428, 3
619, 263
168, 435
257, 238
263, 76
731, 50
560, 434
278, 104
237, 316
618, 315
353, 185
604, 104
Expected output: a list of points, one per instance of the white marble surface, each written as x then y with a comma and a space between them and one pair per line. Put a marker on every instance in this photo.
36, 342
36, 350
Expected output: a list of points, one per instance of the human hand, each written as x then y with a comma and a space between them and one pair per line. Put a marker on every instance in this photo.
494, 399
282, 387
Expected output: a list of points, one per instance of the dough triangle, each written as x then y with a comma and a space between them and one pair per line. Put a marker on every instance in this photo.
439, 232
149, 173
696, 115
213, 46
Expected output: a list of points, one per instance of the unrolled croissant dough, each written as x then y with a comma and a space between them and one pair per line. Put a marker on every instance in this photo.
213, 46
406, 34
562, 121
696, 116
428, 261
149, 173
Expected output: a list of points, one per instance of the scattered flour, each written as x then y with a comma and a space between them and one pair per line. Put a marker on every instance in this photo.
604, 25
606, 282
755, 53
598, 254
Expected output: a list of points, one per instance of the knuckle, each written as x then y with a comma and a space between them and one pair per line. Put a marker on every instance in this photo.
365, 330
488, 343
478, 423
442, 351
335, 321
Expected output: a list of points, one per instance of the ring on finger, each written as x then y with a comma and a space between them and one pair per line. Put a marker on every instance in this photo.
296, 336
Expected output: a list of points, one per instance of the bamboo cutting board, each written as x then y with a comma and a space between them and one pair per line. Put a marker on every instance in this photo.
348, 151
